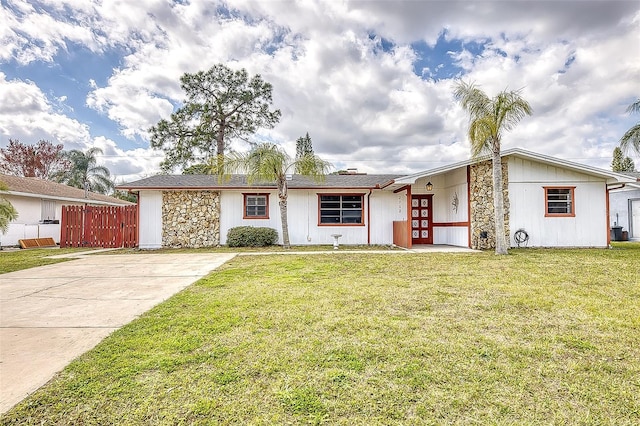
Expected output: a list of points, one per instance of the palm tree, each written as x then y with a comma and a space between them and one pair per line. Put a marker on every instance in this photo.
631, 139
268, 162
488, 118
7, 211
85, 172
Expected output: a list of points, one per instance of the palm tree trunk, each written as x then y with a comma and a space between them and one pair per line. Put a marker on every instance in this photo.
498, 202
282, 195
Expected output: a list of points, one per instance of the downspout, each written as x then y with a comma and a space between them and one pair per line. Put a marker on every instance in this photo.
138, 219
369, 217
608, 228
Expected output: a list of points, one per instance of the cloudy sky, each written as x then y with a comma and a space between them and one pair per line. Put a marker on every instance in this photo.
370, 81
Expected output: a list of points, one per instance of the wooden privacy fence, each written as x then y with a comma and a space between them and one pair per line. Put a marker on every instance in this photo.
401, 234
99, 226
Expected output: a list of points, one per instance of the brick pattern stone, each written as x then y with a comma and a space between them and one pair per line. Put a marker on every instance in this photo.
482, 216
190, 219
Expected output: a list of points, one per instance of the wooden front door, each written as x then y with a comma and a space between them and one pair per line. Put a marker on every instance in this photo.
421, 227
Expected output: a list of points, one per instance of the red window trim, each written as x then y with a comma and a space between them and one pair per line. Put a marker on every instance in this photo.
342, 195
546, 202
244, 206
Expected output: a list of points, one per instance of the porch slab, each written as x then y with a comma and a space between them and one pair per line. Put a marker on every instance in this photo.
441, 248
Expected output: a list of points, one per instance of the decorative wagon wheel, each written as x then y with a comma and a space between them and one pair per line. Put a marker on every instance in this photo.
521, 237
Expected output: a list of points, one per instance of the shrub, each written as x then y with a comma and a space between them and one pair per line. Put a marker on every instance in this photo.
249, 236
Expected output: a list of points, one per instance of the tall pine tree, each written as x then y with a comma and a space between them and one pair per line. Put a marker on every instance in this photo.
304, 148
621, 163
221, 104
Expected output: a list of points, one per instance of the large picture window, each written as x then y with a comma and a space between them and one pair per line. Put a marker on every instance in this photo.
559, 201
256, 206
341, 209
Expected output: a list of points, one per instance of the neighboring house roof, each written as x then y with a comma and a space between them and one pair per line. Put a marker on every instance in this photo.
40, 188
194, 182
632, 186
611, 177
633, 174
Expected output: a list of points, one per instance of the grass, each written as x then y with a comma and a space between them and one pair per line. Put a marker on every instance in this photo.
536, 337
15, 260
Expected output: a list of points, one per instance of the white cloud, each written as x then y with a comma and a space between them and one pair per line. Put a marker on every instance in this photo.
126, 165
26, 114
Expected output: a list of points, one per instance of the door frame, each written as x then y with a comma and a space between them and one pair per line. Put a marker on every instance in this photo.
633, 231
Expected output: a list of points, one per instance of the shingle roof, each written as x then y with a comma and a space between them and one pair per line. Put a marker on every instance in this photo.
347, 181
45, 188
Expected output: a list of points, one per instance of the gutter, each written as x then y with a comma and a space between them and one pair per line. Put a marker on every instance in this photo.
59, 198
391, 182
613, 189
608, 212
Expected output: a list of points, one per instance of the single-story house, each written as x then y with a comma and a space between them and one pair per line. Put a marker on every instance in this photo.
39, 204
624, 210
556, 203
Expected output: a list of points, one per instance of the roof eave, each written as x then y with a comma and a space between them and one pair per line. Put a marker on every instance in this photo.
244, 188
611, 177
60, 198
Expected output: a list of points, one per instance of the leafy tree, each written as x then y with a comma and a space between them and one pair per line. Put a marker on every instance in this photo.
43, 160
7, 211
621, 163
196, 169
268, 162
631, 139
488, 119
628, 165
124, 195
221, 104
85, 173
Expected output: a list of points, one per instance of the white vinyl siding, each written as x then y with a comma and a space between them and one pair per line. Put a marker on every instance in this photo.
586, 226
150, 226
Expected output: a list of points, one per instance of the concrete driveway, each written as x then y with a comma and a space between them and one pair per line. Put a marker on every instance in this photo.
52, 314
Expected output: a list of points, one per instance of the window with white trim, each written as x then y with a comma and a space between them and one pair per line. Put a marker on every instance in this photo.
341, 209
256, 206
559, 201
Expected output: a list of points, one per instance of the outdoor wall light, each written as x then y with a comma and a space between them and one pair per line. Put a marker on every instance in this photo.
429, 186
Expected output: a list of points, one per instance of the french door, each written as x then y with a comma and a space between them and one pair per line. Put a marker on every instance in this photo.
421, 226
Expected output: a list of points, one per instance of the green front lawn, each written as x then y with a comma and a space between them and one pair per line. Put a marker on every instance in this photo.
15, 260
536, 337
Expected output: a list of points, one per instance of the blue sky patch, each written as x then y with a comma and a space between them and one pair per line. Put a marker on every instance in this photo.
436, 62
70, 77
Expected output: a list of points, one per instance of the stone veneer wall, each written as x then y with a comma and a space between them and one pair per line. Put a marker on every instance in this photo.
190, 219
482, 217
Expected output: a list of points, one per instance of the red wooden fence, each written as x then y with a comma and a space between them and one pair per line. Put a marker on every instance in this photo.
401, 234
99, 226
